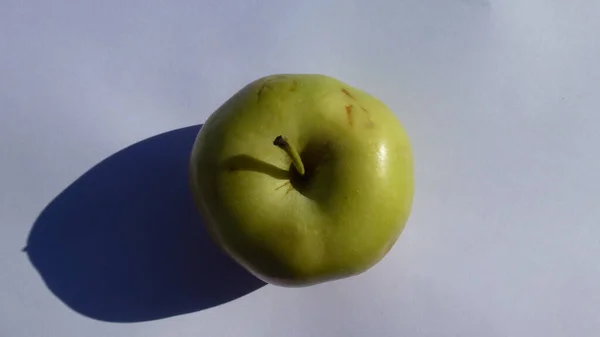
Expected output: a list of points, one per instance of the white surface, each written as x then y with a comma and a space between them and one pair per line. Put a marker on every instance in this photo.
499, 98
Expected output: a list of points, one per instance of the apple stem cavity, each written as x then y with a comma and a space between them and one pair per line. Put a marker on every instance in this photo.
283, 143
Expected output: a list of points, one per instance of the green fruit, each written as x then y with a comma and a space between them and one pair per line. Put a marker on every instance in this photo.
303, 179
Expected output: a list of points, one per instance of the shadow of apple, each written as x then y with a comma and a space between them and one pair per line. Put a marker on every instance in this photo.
124, 242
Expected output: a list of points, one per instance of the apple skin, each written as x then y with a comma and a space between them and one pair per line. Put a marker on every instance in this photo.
340, 218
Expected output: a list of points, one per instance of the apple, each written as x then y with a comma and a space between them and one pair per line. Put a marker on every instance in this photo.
303, 179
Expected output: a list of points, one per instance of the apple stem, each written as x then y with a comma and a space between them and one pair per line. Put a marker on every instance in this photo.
283, 143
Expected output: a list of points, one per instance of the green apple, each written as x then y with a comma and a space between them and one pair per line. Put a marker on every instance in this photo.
303, 179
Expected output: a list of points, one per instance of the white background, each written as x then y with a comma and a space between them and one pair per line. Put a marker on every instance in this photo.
500, 99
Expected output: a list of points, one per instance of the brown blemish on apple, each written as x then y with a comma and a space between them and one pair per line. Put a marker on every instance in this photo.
369, 121
260, 91
288, 184
268, 81
347, 93
349, 113
265, 85
283, 185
